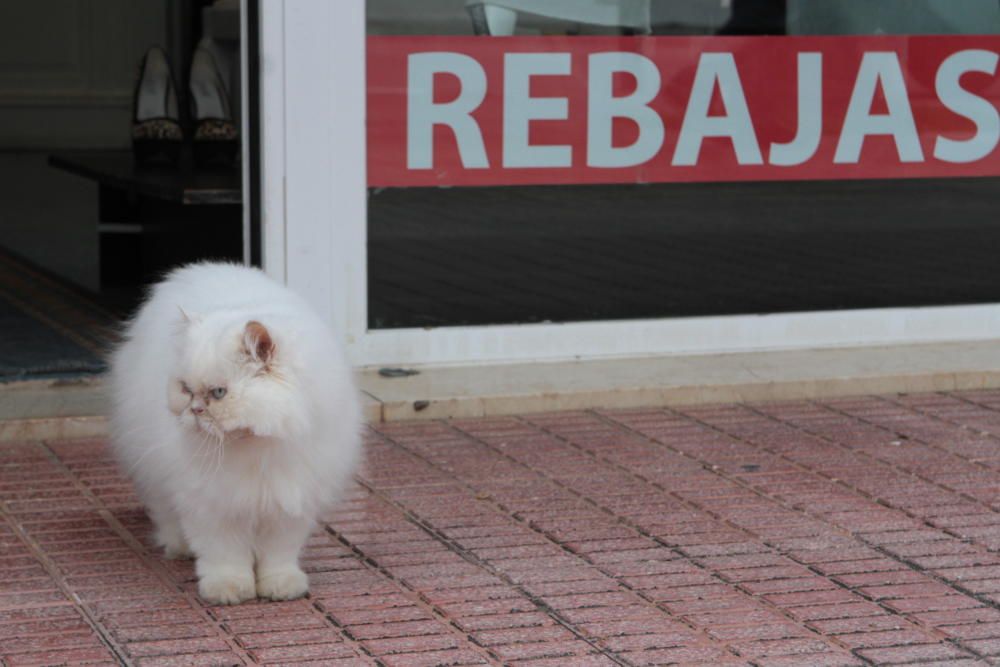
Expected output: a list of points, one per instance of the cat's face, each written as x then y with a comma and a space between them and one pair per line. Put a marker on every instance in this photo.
229, 382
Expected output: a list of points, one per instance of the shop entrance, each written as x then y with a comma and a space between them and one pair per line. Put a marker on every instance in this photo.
110, 174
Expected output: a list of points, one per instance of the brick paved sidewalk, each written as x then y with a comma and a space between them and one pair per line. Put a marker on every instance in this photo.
847, 532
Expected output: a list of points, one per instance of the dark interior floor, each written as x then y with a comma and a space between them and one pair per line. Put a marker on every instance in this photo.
49, 328
471, 256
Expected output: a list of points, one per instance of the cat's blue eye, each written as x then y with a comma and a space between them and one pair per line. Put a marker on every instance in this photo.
186, 389
218, 392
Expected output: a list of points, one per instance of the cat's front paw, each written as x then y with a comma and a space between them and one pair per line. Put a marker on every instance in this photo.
227, 588
284, 584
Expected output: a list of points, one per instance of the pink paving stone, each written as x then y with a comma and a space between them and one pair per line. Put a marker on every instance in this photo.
549, 632
884, 638
645, 642
881, 578
259, 640
559, 588
907, 654
434, 659
680, 655
788, 585
780, 647
604, 614
757, 574
242, 626
913, 590
488, 607
814, 660
733, 603
430, 642
959, 616
581, 600
44, 627
175, 646
918, 605
65, 640
220, 659
990, 588
810, 598
338, 604
865, 624
502, 621
739, 618
58, 657
987, 647
526, 559
851, 566
774, 630
973, 631
146, 633
350, 617
834, 611
545, 649
398, 629
592, 660
304, 652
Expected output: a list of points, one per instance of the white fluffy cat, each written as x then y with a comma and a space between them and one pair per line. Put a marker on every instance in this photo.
236, 416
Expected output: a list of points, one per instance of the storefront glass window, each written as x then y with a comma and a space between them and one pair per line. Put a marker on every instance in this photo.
573, 160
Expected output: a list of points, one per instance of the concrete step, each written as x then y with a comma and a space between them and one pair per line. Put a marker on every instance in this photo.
63, 409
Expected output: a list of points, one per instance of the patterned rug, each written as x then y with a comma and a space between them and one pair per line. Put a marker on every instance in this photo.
49, 328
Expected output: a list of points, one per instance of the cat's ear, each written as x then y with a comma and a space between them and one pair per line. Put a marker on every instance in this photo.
258, 343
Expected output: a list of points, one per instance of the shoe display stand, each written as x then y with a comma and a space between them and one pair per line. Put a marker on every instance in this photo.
153, 217
176, 197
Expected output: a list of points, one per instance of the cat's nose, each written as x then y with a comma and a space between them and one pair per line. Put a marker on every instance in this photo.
197, 409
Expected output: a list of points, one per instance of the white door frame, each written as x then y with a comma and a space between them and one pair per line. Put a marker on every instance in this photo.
314, 220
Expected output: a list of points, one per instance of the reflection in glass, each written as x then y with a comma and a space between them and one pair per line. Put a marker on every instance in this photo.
687, 17
893, 17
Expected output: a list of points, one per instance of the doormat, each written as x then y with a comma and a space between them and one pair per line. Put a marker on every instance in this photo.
49, 328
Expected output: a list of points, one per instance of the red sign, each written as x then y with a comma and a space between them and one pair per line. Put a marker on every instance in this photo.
550, 110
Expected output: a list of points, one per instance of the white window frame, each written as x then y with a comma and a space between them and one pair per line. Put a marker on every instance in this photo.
314, 222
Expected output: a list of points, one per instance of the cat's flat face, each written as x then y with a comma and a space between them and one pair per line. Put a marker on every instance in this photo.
228, 382
209, 405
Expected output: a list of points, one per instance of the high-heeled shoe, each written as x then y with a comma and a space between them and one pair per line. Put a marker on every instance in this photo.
156, 128
216, 137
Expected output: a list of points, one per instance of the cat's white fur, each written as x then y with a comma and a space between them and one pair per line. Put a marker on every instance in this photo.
240, 485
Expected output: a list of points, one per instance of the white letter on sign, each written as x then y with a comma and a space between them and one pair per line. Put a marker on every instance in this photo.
736, 124
806, 140
879, 69
520, 108
423, 113
975, 108
603, 107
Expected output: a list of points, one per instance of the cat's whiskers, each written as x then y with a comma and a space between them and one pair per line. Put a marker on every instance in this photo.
220, 449
207, 443
205, 453
213, 437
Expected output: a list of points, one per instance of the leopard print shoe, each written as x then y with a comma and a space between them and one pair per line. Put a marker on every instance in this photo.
156, 130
